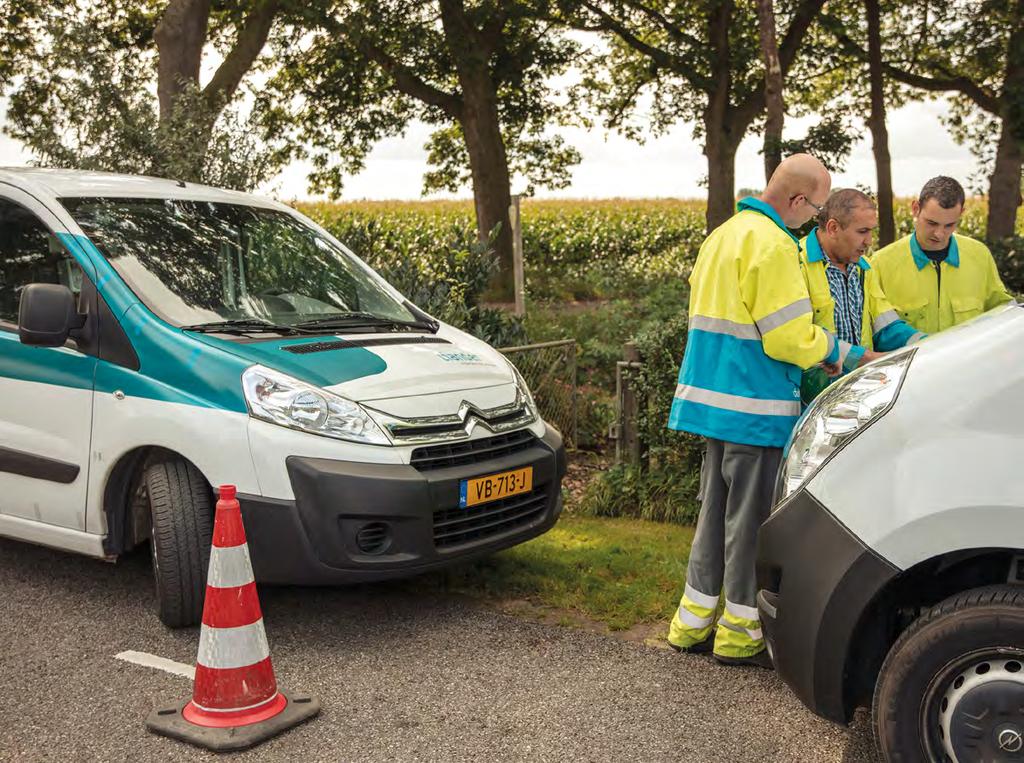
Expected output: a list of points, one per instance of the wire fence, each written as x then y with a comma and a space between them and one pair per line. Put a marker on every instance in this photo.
549, 369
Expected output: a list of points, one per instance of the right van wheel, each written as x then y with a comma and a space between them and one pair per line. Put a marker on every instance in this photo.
952, 687
180, 504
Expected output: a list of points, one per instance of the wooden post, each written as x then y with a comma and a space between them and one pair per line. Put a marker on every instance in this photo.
517, 254
630, 411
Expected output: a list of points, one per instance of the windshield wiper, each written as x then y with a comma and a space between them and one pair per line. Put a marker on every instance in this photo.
358, 319
243, 325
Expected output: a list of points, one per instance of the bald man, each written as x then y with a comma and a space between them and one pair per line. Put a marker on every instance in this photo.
751, 335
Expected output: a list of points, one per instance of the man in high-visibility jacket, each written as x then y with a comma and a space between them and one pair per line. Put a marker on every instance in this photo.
845, 294
935, 277
750, 336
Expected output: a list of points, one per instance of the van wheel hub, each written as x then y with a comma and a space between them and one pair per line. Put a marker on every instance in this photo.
981, 716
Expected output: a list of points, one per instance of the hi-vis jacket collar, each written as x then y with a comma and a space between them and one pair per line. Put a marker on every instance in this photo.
816, 254
768, 211
921, 259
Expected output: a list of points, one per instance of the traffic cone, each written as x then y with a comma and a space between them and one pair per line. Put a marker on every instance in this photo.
235, 700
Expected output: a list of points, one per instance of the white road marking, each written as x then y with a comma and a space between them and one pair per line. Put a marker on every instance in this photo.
160, 663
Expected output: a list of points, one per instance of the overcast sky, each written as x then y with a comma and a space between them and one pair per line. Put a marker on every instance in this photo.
670, 166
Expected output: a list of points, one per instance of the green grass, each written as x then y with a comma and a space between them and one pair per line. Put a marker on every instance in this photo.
619, 572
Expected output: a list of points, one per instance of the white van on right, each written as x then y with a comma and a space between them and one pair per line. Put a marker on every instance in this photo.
891, 570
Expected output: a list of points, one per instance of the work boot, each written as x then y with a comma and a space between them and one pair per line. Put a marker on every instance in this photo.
701, 647
759, 660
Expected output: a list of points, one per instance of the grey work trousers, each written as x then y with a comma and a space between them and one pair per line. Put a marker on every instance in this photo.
737, 483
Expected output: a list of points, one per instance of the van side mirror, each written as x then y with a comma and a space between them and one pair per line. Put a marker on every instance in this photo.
47, 314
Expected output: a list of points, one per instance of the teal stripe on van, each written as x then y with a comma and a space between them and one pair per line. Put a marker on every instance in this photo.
199, 369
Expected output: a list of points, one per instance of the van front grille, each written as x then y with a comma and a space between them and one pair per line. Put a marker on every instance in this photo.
471, 451
454, 527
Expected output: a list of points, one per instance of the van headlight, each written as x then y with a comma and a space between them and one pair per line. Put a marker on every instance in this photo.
288, 402
841, 412
523, 389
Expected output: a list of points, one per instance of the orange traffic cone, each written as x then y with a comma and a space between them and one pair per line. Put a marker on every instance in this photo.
235, 701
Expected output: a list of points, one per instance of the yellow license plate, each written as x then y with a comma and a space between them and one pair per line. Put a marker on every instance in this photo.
495, 486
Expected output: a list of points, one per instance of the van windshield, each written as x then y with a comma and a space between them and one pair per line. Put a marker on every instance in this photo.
203, 265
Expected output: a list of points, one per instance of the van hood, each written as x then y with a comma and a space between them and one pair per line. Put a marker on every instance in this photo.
369, 368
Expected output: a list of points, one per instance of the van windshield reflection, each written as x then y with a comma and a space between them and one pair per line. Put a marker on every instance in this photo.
207, 265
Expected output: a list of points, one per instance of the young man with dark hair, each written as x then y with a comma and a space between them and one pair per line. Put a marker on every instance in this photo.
935, 277
845, 294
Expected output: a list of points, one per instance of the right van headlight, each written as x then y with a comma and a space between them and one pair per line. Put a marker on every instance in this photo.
839, 414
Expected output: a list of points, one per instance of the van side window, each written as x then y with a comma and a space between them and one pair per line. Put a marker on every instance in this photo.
29, 253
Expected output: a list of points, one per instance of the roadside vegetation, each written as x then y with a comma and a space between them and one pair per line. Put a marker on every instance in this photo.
603, 273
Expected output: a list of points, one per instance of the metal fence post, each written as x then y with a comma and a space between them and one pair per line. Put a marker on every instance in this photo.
517, 254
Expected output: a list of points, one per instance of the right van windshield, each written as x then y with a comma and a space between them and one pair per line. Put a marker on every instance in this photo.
200, 264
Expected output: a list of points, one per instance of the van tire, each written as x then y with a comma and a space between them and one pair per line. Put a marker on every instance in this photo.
964, 630
180, 503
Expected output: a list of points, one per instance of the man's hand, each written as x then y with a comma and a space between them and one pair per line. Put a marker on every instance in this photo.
832, 369
870, 355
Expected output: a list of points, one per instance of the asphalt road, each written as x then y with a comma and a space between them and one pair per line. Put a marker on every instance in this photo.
400, 677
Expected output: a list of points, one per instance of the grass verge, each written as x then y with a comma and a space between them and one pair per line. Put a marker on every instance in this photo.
618, 572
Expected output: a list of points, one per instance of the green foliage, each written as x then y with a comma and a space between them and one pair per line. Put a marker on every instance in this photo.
1009, 256
81, 86
665, 491
360, 71
438, 264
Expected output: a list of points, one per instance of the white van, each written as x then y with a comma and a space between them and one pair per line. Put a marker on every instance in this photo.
892, 566
158, 338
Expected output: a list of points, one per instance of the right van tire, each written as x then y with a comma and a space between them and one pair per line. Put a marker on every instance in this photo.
969, 633
180, 504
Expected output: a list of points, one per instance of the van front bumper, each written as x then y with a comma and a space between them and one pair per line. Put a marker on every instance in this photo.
362, 522
815, 580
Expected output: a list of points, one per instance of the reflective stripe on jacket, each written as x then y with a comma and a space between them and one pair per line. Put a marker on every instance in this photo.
750, 333
881, 327
966, 284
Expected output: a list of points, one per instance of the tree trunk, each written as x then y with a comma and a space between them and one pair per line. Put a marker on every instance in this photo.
1004, 195
879, 132
491, 193
180, 36
776, 109
481, 128
721, 154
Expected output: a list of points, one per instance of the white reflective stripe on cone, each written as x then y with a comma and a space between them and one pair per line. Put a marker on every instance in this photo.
235, 709
224, 648
742, 610
687, 618
230, 567
700, 599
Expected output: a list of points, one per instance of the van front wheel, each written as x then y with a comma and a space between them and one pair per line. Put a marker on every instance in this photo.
182, 514
952, 687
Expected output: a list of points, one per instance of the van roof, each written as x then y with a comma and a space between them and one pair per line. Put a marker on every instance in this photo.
66, 183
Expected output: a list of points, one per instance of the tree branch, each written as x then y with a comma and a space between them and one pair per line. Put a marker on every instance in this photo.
661, 57
673, 30
408, 82
964, 85
251, 39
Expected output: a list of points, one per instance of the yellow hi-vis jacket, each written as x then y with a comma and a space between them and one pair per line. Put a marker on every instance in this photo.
934, 297
750, 333
880, 325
